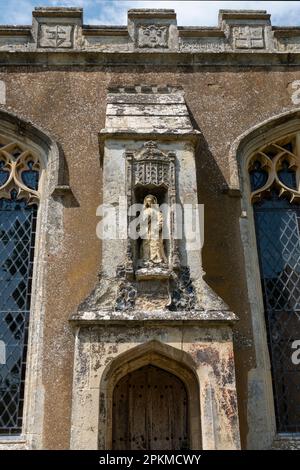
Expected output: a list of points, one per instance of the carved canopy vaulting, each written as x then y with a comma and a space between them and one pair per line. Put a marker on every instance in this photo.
152, 166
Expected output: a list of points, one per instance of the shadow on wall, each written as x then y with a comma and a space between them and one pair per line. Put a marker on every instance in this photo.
222, 254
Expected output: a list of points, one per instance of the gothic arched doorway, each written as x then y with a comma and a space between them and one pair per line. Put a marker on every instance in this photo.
150, 411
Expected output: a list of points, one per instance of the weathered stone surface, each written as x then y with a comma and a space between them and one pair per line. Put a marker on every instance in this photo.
2, 92
210, 354
120, 109
147, 109
161, 316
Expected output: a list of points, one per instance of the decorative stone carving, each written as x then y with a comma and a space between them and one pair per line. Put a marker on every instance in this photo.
153, 29
183, 295
202, 45
248, 37
152, 166
59, 27
126, 292
276, 165
56, 36
19, 171
152, 35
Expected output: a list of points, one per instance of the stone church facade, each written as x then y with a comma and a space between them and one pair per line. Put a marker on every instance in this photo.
113, 342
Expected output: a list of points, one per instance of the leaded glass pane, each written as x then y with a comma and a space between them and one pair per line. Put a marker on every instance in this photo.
17, 234
278, 238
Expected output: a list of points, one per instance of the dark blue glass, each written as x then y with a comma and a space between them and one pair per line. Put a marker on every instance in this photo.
287, 176
30, 177
258, 176
4, 175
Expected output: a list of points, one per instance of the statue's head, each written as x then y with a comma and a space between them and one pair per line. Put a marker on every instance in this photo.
150, 200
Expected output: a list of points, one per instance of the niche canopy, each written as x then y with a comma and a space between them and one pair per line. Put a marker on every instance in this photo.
147, 112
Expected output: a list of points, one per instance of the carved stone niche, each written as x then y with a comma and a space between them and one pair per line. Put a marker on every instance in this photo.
152, 172
151, 179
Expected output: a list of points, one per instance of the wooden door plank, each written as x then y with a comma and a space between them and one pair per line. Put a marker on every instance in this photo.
150, 411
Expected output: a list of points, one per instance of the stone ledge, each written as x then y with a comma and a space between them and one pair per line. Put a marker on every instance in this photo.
232, 192
12, 30
244, 15
61, 190
65, 58
154, 134
289, 31
195, 32
286, 442
157, 134
102, 30
13, 443
174, 318
151, 13
57, 12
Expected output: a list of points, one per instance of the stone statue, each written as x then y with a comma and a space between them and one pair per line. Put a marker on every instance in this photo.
152, 248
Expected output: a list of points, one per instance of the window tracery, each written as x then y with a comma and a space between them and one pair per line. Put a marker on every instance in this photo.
276, 166
19, 171
19, 197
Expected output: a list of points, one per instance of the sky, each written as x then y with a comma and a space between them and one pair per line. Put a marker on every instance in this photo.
189, 13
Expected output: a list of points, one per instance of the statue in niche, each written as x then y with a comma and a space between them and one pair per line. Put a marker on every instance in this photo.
152, 247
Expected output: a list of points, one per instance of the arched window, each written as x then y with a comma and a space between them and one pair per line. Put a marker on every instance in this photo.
19, 198
274, 172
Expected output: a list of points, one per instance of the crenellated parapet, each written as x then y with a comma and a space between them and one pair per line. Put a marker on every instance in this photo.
57, 29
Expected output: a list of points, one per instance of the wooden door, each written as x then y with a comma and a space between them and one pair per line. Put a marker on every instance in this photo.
150, 411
